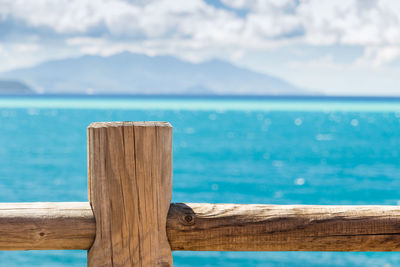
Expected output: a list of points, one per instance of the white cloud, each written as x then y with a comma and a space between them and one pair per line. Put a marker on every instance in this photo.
19, 54
349, 22
190, 50
195, 25
26, 47
378, 55
121, 18
317, 22
352, 23
61, 15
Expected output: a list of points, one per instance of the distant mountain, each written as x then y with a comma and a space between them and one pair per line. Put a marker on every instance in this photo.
14, 88
128, 73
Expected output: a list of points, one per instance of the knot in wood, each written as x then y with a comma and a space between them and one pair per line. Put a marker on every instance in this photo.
188, 219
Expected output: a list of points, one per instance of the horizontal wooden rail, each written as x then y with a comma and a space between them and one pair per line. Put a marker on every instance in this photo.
41, 226
229, 227
214, 227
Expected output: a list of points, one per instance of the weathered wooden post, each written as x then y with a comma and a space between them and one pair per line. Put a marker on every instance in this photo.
130, 188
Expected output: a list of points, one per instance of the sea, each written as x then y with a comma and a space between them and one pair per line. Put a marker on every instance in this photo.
265, 150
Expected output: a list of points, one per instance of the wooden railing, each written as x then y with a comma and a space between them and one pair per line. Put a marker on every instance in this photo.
129, 220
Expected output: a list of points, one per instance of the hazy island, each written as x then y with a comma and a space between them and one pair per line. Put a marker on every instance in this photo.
12, 87
127, 73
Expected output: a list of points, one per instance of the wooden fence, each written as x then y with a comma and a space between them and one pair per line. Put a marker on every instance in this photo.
129, 220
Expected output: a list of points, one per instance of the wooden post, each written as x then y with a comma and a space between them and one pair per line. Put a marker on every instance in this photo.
130, 188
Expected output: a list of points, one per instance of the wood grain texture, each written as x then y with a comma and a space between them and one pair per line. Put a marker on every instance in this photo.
130, 188
42, 226
223, 227
229, 227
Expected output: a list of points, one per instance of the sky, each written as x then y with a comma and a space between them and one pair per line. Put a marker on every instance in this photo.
341, 47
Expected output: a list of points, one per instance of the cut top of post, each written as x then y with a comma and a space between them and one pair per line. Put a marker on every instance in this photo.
130, 123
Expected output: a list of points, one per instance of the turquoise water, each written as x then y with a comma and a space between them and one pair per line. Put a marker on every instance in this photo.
275, 151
